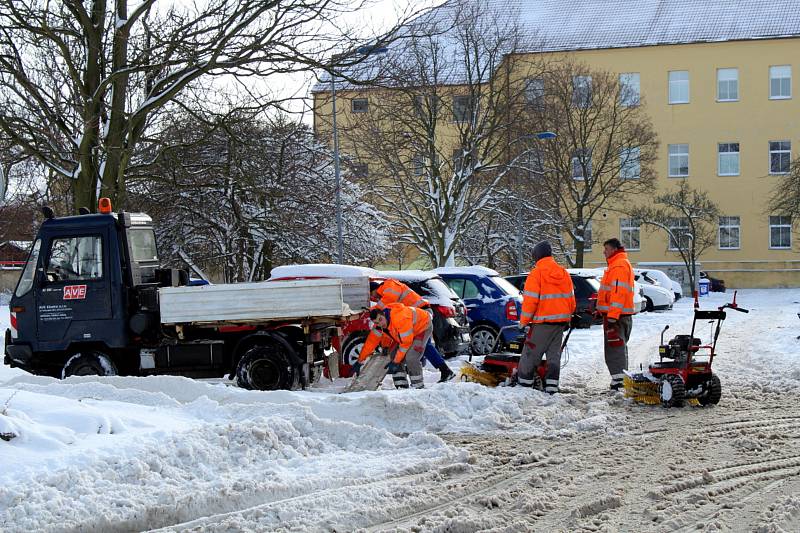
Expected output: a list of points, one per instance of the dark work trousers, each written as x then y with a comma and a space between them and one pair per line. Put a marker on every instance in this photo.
542, 339
616, 347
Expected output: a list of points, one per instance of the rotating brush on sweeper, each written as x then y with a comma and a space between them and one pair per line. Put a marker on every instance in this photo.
683, 372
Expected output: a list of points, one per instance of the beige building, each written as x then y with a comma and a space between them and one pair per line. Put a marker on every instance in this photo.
718, 79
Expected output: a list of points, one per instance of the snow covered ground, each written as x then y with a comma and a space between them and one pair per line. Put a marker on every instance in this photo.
122, 454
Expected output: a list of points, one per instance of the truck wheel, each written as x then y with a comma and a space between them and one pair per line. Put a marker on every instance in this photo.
352, 349
266, 367
89, 364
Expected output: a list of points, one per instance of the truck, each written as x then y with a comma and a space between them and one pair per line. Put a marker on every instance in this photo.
92, 299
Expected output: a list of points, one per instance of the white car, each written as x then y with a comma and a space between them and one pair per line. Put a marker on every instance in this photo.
639, 300
663, 279
657, 298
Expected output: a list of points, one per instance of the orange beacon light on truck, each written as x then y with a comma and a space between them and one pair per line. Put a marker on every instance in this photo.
104, 206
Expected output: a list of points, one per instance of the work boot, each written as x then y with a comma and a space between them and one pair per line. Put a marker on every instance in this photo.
615, 386
447, 374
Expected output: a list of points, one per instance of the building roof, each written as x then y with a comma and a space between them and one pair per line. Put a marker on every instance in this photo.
568, 25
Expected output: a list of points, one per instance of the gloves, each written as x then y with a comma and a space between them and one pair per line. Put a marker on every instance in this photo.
612, 336
356, 368
393, 368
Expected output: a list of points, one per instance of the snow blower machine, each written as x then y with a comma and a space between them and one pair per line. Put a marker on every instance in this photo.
683, 373
500, 368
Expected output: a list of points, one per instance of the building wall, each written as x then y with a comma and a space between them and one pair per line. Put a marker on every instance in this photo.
752, 121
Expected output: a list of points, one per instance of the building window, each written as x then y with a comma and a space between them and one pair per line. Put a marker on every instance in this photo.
426, 106
629, 95
360, 170
629, 233
729, 228
534, 92
780, 82
679, 87
629, 165
582, 91
582, 164
359, 105
727, 84
780, 232
780, 156
679, 237
418, 162
462, 108
728, 159
678, 160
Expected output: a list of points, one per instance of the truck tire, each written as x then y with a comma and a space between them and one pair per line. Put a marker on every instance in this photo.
266, 367
89, 364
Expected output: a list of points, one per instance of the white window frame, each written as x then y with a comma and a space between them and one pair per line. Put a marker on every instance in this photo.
630, 89
672, 227
534, 92
630, 226
468, 110
780, 224
726, 222
630, 159
582, 91
780, 151
771, 77
719, 159
726, 76
576, 163
670, 155
676, 84
359, 111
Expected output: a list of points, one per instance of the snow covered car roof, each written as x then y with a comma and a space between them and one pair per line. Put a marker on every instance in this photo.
475, 270
323, 271
587, 272
408, 275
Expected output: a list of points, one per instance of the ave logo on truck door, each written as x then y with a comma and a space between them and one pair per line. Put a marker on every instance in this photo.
75, 292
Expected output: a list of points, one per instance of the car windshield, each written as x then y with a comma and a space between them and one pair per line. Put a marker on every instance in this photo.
505, 286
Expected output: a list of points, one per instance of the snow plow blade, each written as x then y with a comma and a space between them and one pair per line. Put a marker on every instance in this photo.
473, 374
641, 389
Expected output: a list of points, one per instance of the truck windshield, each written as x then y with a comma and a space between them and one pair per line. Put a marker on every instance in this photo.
26, 280
143, 245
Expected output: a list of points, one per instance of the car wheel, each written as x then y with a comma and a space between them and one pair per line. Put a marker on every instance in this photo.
352, 349
648, 306
89, 364
483, 340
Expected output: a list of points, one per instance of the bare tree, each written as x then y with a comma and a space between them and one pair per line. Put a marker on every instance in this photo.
238, 198
604, 152
436, 136
785, 198
82, 82
689, 218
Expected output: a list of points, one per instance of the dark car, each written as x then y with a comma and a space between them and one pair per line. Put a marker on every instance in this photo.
717, 285
586, 288
450, 324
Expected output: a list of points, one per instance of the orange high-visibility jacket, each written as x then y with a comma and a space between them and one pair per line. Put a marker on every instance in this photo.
616, 289
375, 338
548, 295
405, 323
393, 291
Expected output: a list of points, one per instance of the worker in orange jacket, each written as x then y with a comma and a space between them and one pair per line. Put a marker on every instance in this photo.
392, 291
410, 329
548, 302
615, 304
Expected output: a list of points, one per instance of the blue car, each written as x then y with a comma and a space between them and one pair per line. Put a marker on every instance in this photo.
492, 303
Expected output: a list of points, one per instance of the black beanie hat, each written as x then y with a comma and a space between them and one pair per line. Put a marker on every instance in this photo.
543, 249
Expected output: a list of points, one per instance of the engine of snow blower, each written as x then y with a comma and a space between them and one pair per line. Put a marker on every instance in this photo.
683, 372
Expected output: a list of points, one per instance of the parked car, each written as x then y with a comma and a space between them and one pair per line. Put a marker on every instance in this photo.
657, 298
450, 325
639, 301
717, 285
663, 279
492, 303
586, 288
451, 330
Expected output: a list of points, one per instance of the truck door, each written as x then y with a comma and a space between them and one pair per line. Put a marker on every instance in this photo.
75, 290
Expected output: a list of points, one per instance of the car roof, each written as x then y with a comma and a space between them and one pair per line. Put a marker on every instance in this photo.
408, 275
330, 270
475, 270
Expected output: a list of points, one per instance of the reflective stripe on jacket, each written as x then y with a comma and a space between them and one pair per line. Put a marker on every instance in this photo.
375, 338
615, 297
548, 295
405, 323
393, 291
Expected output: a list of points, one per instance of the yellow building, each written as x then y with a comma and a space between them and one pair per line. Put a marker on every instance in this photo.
718, 80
